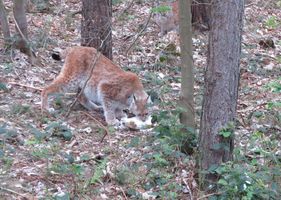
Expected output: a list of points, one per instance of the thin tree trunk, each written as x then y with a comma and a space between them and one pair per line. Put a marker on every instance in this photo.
22, 42
221, 85
20, 16
96, 25
187, 76
4, 23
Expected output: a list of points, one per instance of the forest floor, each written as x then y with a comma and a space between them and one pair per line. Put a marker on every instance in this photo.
58, 157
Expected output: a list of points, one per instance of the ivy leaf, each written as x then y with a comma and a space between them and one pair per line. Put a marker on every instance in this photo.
222, 182
3, 87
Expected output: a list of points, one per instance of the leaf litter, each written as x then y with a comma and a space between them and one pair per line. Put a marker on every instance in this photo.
37, 163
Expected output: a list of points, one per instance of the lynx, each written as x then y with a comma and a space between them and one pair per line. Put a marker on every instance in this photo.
168, 21
109, 88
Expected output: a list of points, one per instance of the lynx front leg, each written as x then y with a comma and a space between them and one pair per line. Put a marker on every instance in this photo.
109, 114
110, 117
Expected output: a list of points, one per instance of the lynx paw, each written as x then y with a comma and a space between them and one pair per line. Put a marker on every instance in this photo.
113, 122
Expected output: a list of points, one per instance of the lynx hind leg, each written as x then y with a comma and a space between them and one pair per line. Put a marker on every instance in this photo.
57, 86
51, 89
87, 103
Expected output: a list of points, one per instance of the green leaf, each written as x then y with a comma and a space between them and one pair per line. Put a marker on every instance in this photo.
271, 22
77, 169
67, 135
69, 157
222, 182
212, 168
3, 129
3, 87
226, 134
98, 172
37, 134
161, 9
59, 130
1, 153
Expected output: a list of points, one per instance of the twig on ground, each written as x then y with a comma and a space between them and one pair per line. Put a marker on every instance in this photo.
189, 190
244, 124
99, 124
12, 191
27, 86
35, 88
209, 195
139, 33
124, 194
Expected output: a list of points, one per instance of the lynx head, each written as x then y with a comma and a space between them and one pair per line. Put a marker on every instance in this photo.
139, 105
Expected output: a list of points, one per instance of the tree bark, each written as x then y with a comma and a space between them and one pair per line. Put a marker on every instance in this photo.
4, 23
22, 42
20, 16
187, 76
200, 10
221, 85
96, 25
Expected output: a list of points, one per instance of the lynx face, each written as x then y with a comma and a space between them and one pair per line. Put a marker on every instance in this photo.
109, 88
138, 107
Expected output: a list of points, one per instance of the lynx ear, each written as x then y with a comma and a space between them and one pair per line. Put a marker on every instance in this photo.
135, 99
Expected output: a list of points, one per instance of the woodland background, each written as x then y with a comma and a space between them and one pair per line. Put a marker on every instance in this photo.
60, 157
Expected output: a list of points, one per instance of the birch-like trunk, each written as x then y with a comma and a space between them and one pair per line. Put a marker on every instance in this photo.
187, 76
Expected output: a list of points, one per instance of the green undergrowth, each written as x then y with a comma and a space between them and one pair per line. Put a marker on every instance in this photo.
255, 172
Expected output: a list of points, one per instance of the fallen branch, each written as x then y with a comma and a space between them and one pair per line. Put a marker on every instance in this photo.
98, 123
35, 88
124, 194
27, 86
209, 195
189, 190
12, 191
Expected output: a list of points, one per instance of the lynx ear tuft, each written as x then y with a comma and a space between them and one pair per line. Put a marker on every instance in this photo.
56, 56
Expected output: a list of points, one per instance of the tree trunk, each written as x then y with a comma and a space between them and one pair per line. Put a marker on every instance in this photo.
20, 16
187, 76
4, 23
96, 25
22, 42
221, 86
201, 14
